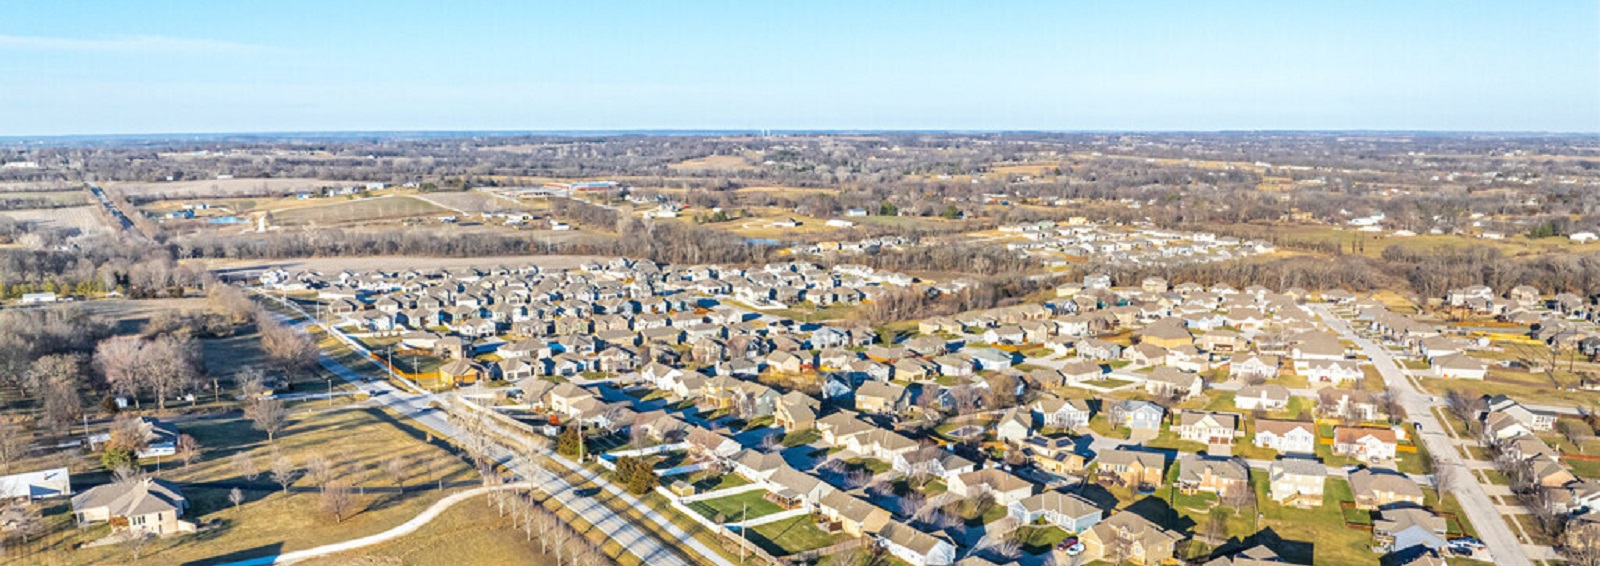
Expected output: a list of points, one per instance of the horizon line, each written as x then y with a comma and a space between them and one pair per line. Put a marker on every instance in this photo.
12, 138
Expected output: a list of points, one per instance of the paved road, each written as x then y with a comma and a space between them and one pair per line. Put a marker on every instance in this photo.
420, 408
1491, 526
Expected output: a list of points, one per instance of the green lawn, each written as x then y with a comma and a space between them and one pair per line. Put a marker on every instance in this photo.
1583, 468
873, 465
1038, 539
737, 507
1320, 530
710, 482
789, 536
801, 437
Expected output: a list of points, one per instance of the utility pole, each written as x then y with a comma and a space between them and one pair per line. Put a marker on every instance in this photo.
744, 540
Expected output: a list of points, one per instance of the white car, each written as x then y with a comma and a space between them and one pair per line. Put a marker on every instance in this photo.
1075, 549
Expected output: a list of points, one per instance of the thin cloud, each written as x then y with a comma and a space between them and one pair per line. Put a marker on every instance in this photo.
127, 44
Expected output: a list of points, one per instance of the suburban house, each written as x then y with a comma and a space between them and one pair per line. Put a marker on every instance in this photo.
1015, 425
1262, 397
915, 547
1375, 488
1365, 443
1054, 412
1055, 455
1401, 529
1171, 381
852, 514
1138, 415
1209, 428
1459, 366
1297, 482
1286, 436
879, 397
1071, 512
1126, 536
1198, 473
1005, 488
1249, 366
1132, 468
146, 506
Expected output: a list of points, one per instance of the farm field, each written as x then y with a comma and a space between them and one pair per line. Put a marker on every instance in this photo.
220, 188
714, 162
468, 201
360, 210
82, 218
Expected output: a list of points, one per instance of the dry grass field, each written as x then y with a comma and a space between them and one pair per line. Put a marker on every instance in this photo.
466, 533
359, 210
469, 201
271, 521
83, 218
734, 162
220, 188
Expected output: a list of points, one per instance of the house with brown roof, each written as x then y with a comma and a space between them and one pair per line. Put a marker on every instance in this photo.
1371, 444
1286, 436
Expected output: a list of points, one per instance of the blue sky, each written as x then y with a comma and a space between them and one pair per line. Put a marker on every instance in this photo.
166, 67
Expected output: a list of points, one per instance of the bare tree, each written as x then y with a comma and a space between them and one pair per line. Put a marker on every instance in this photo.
236, 497
188, 449
336, 500
14, 440
319, 470
268, 415
397, 470
244, 465
121, 360
293, 351
1580, 544
283, 471
57, 378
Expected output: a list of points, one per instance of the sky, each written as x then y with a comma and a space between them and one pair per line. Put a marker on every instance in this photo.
114, 67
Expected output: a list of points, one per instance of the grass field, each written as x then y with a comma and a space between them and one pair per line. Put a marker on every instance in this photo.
1318, 534
737, 507
82, 218
271, 521
359, 210
467, 533
735, 162
797, 534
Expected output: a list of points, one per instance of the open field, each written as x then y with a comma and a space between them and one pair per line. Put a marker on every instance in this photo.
82, 218
714, 162
271, 521
468, 201
360, 210
219, 188
71, 196
467, 533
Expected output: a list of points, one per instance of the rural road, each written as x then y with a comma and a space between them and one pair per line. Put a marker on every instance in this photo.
1491, 526
406, 528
